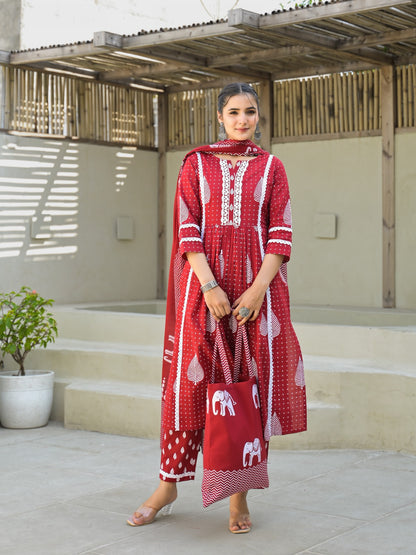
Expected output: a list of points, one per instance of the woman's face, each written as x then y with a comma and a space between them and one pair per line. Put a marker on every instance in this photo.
240, 116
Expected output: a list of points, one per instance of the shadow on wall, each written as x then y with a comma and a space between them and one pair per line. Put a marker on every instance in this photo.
40, 198
39, 190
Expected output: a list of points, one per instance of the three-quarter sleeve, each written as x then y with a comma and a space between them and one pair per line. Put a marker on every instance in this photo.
189, 209
279, 238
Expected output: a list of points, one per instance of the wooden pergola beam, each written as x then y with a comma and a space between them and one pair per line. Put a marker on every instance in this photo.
163, 137
336, 9
142, 71
320, 69
375, 39
387, 86
4, 57
328, 43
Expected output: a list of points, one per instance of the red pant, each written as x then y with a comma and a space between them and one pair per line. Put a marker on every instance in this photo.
179, 455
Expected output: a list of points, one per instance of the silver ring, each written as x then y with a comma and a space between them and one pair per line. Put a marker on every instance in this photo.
244, 312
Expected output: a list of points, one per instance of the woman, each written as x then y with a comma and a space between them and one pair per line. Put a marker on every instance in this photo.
232, 239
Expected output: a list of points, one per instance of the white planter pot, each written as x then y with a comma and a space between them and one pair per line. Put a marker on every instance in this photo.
26, 401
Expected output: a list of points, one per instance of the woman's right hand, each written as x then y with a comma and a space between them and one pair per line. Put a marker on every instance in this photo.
217, 302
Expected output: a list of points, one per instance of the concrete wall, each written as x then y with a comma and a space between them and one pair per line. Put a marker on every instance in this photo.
406, 220
10, 21
341, 177
77, 192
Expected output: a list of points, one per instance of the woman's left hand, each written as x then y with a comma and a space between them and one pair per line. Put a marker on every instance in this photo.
252, 299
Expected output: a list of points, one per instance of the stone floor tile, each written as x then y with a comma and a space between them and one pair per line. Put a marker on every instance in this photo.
395, 533
26, 491
354, 492
60, 529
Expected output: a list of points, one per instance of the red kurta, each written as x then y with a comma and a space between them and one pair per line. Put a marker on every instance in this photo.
235, 216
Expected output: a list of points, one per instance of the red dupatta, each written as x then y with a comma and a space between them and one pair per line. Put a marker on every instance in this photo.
233, 148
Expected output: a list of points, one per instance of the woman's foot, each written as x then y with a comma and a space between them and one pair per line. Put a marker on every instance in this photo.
160, 500
240, 522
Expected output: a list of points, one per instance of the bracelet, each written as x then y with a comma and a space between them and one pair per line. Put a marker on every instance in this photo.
208, 286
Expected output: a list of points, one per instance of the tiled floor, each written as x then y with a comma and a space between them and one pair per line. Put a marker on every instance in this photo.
69, 492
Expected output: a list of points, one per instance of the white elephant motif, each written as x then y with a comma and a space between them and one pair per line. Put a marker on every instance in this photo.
253, 449
256, 398
226, 402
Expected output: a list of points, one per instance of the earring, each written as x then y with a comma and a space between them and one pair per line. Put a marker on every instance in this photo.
257, 133
221, 133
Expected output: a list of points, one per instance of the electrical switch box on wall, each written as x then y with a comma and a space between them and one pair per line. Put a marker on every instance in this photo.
124, 228
325, 226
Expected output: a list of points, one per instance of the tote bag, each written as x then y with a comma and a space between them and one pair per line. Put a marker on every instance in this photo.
234, 450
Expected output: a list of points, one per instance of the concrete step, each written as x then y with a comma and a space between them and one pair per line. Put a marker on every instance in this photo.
71, 358
109, 327
119, 408
113, 407
389, 348
353, 316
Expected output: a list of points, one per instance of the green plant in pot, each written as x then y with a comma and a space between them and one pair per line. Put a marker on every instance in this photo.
25, 323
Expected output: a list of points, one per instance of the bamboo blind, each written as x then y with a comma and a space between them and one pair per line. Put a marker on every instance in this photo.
406, 96
193, 117
42, 103
336, 103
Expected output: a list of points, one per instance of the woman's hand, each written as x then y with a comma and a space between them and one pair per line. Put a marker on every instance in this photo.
217, 302
252, 298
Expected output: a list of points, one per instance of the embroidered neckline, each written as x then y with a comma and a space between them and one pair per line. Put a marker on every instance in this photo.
226, 186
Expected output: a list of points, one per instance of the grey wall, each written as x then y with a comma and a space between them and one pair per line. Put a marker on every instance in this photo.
76, 192
10, 20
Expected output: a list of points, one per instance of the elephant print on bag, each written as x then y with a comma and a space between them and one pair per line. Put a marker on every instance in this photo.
253, 449
256, 398
226, 402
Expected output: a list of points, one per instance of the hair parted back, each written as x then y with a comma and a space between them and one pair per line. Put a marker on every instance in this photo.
236, 88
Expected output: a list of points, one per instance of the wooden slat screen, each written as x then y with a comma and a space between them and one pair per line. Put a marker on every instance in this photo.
193, 117
406, 96
328, 104
42, 103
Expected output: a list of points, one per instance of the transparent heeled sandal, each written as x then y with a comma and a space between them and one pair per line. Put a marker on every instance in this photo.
148, 514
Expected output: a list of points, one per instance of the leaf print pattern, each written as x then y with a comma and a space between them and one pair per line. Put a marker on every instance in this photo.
263, 325
207, 191
249, 270
254, 367
195, 371
211, 324
233, 323
283, 273
258, 190
275, 325
221, 261
276, 427
184, 212
287, 214
300, 374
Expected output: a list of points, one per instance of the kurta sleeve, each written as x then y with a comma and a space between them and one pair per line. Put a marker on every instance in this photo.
189, 209
279, 239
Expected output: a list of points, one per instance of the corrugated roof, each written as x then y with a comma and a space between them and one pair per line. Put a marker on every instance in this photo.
323, 37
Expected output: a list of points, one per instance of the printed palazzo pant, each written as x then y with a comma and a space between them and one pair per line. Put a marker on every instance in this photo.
179, 455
